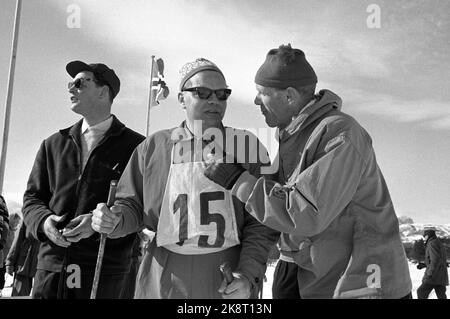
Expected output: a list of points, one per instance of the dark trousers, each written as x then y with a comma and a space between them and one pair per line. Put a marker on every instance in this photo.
54, 285
425, 289
285, 284
130, 280
21, 286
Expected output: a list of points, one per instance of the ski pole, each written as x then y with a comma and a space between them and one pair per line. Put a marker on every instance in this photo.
101, 248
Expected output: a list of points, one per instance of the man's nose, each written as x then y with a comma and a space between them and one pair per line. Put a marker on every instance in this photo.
257, 101
212, 99
72, 89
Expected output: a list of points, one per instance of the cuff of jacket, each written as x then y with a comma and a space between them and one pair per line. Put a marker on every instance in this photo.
129, 223
38, 227
244, 186
254, 272
118, 231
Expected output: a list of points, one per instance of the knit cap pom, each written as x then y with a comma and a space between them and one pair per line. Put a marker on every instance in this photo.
285, 67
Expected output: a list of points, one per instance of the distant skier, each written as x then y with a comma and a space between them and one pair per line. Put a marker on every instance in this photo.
436, 275
21, 262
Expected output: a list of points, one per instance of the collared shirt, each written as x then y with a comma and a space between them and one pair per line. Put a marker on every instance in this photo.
91, 135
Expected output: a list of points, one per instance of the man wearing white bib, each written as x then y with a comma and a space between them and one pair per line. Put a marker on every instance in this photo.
199, 224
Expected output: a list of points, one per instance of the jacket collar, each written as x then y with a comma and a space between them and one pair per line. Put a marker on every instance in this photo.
324, 102
430, 239
182, 133
116, 129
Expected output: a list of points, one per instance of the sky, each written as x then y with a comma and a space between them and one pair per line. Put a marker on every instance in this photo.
387, 60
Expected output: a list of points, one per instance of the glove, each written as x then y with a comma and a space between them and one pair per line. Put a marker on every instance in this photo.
421, 266
224, 174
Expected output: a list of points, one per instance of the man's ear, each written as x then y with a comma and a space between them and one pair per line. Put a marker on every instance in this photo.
181, 100
104, 92
292, 96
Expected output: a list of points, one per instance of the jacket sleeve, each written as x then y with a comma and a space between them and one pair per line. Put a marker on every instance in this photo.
3, 209
130, 195
37, 196
434, 251
4, 222
315, 197
257, 240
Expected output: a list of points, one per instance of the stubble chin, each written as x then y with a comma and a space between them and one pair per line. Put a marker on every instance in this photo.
269, 122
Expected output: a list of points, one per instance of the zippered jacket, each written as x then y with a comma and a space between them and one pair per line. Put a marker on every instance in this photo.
333, 207
141, 190
59, 185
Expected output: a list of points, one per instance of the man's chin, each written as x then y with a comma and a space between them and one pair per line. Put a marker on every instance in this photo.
270, 123
212, 120
75, 107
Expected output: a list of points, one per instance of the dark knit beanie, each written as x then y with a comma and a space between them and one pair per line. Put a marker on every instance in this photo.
285, 67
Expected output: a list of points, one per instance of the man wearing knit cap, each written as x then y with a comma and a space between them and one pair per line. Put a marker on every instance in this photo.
71, 174
436, 274
340, 236
198, 224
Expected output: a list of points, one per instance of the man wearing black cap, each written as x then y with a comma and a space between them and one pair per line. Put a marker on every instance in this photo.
71, 174
340, 236
198, 224
436, 275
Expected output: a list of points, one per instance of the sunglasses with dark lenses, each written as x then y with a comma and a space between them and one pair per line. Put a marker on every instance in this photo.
205, 93
78, 83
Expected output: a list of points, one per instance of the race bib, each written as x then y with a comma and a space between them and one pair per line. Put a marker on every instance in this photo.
197, 215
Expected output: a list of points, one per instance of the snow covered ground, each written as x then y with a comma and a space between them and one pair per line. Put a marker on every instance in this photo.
6, 292
416, 277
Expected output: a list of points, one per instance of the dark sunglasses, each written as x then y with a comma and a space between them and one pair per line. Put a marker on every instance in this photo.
78, 83
205, 93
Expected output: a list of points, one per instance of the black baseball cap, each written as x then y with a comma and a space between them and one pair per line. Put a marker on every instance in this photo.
101, 71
